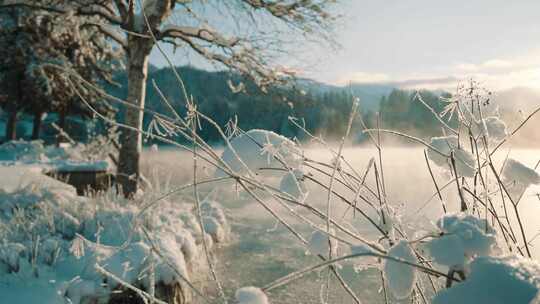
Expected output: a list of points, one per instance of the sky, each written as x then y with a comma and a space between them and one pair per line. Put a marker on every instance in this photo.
427, 43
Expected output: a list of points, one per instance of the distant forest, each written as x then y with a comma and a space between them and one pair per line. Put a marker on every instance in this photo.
323, 109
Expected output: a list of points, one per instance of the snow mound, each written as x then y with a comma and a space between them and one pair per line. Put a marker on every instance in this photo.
214, 221
515, 171
188, 245
54, 239
293, 185
518, 177
42, 211
465, 162
213, 209
494, 128
462, 238
214, 229
250, 295
260, 149
401, 277
109, 227
320, 243
494, 280
136, 265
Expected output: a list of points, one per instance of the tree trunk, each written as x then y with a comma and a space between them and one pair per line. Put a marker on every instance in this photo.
11, 128
131, 139
36, 127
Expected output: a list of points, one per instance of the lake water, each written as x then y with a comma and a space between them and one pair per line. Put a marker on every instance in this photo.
262, 251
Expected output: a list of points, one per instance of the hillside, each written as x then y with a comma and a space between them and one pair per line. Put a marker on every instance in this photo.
324, 108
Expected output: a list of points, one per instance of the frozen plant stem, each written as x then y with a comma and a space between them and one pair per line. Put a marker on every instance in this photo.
199, 215
301, 273
463, 207
435, 182
516, 211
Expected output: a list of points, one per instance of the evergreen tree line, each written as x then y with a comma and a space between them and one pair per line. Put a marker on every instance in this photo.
323, 113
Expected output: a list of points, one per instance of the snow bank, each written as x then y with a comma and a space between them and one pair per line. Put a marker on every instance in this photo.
260, 149
251, 295
53, 240
462, 238
493, 280
22, 175
71, 158
401, 277
465, 161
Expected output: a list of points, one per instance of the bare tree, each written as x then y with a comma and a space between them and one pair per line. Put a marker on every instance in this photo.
138, 25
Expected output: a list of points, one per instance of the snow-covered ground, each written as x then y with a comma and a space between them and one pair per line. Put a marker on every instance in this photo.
54, 239
58, 247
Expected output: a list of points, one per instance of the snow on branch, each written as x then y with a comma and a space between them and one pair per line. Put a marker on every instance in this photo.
101, 11
114, 35
207, 34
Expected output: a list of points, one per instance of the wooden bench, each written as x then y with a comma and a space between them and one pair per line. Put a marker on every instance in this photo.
85, 177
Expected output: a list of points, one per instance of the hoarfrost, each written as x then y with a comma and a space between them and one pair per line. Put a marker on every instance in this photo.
260, 149
462, 238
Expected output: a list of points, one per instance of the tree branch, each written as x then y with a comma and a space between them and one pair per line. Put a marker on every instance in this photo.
206, 34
